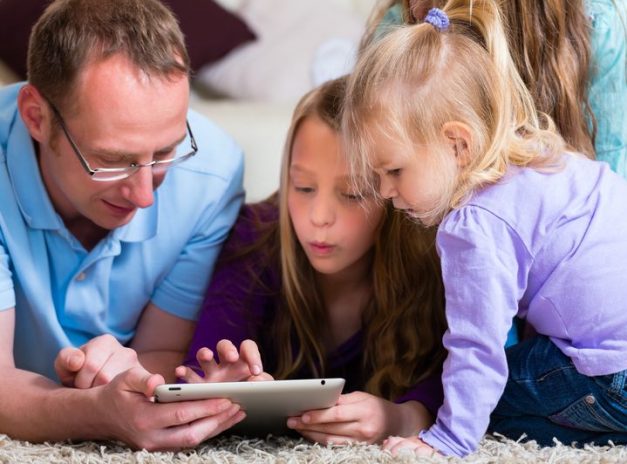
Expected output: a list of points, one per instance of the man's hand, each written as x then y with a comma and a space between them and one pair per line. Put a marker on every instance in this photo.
95, 363
126, 412
234, 365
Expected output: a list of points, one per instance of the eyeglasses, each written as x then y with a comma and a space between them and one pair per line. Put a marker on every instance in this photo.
118, 173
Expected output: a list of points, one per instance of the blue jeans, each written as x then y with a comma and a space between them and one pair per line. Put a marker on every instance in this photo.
546, 397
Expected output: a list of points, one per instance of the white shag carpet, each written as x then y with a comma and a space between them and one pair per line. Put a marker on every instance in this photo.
235, 450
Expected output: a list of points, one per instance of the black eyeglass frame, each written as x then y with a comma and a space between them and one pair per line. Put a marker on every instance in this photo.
123, 173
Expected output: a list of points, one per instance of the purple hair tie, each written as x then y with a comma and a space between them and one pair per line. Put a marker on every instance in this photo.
438, 19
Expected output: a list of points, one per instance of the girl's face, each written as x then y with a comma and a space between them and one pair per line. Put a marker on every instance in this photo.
334, 224
416, 181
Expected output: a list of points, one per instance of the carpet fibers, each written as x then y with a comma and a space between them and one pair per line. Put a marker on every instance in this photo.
232, 450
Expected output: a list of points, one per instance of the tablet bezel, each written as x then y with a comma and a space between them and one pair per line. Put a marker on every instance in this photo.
268, 404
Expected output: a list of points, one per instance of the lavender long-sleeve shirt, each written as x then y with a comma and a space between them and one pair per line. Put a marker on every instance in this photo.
242, 301
548, 247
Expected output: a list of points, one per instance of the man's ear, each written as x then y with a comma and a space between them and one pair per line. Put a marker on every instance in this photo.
35, 112
458, 136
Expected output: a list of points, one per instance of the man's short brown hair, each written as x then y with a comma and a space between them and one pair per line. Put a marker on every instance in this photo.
70, 33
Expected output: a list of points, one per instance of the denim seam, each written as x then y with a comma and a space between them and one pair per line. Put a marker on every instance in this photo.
554, 371
616, 390
616, 396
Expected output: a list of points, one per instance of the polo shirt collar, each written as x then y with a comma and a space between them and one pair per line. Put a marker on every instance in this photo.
35, 203
30, 192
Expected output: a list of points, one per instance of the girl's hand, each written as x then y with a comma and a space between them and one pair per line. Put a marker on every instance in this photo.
360, 417
234, 365
395, 444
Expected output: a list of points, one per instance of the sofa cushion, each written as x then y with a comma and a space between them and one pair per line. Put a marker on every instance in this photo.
300, 44
210, 30
18, 19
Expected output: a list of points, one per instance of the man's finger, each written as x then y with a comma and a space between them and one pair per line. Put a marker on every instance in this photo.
200, 429
67, 363
139, 380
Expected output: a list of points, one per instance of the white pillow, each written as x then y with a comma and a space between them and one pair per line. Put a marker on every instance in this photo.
231, 5
296, 46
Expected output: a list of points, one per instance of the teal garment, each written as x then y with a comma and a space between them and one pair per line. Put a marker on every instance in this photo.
392, 18
607, 91
608, 83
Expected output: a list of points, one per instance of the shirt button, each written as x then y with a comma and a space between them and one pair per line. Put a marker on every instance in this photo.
590, 399
81, 277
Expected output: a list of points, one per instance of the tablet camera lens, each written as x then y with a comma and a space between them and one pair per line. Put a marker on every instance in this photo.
322, 382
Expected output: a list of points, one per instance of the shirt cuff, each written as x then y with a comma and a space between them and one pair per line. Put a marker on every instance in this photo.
431, 438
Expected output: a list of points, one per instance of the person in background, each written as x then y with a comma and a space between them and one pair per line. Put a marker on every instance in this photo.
439, 112
571, 54
115, 202
327, 282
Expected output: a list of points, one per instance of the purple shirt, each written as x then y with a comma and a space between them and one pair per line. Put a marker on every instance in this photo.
239, 306
548, 247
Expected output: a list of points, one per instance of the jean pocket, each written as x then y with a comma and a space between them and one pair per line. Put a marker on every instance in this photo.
588, 414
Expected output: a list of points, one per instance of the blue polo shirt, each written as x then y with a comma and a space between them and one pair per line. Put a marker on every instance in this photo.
65, 295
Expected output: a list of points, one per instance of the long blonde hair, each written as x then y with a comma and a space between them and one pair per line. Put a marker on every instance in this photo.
407, 85
404, 322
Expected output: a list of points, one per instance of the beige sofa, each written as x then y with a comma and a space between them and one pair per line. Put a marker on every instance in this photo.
259, 122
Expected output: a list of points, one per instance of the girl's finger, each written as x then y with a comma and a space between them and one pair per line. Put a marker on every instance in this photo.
264, 376
249, 353
351, 412
348, 429
188, 374
327, 439
206, 361
227, 352
354, 397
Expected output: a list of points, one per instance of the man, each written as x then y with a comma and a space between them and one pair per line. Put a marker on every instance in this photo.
115, 201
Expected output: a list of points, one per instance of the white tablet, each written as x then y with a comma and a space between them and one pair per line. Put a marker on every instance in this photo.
267, 403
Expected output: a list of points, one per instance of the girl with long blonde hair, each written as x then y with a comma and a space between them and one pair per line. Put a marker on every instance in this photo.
438, 111
326, 281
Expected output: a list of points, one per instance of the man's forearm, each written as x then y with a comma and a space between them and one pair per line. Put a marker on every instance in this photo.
36, 409
162, 362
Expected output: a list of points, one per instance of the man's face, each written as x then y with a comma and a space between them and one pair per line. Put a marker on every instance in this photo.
116, 116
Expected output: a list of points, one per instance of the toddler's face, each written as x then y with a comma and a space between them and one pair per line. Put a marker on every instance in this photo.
417, 181
334, 224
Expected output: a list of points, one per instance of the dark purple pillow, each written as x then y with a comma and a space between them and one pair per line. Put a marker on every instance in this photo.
210, 31
17, 18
